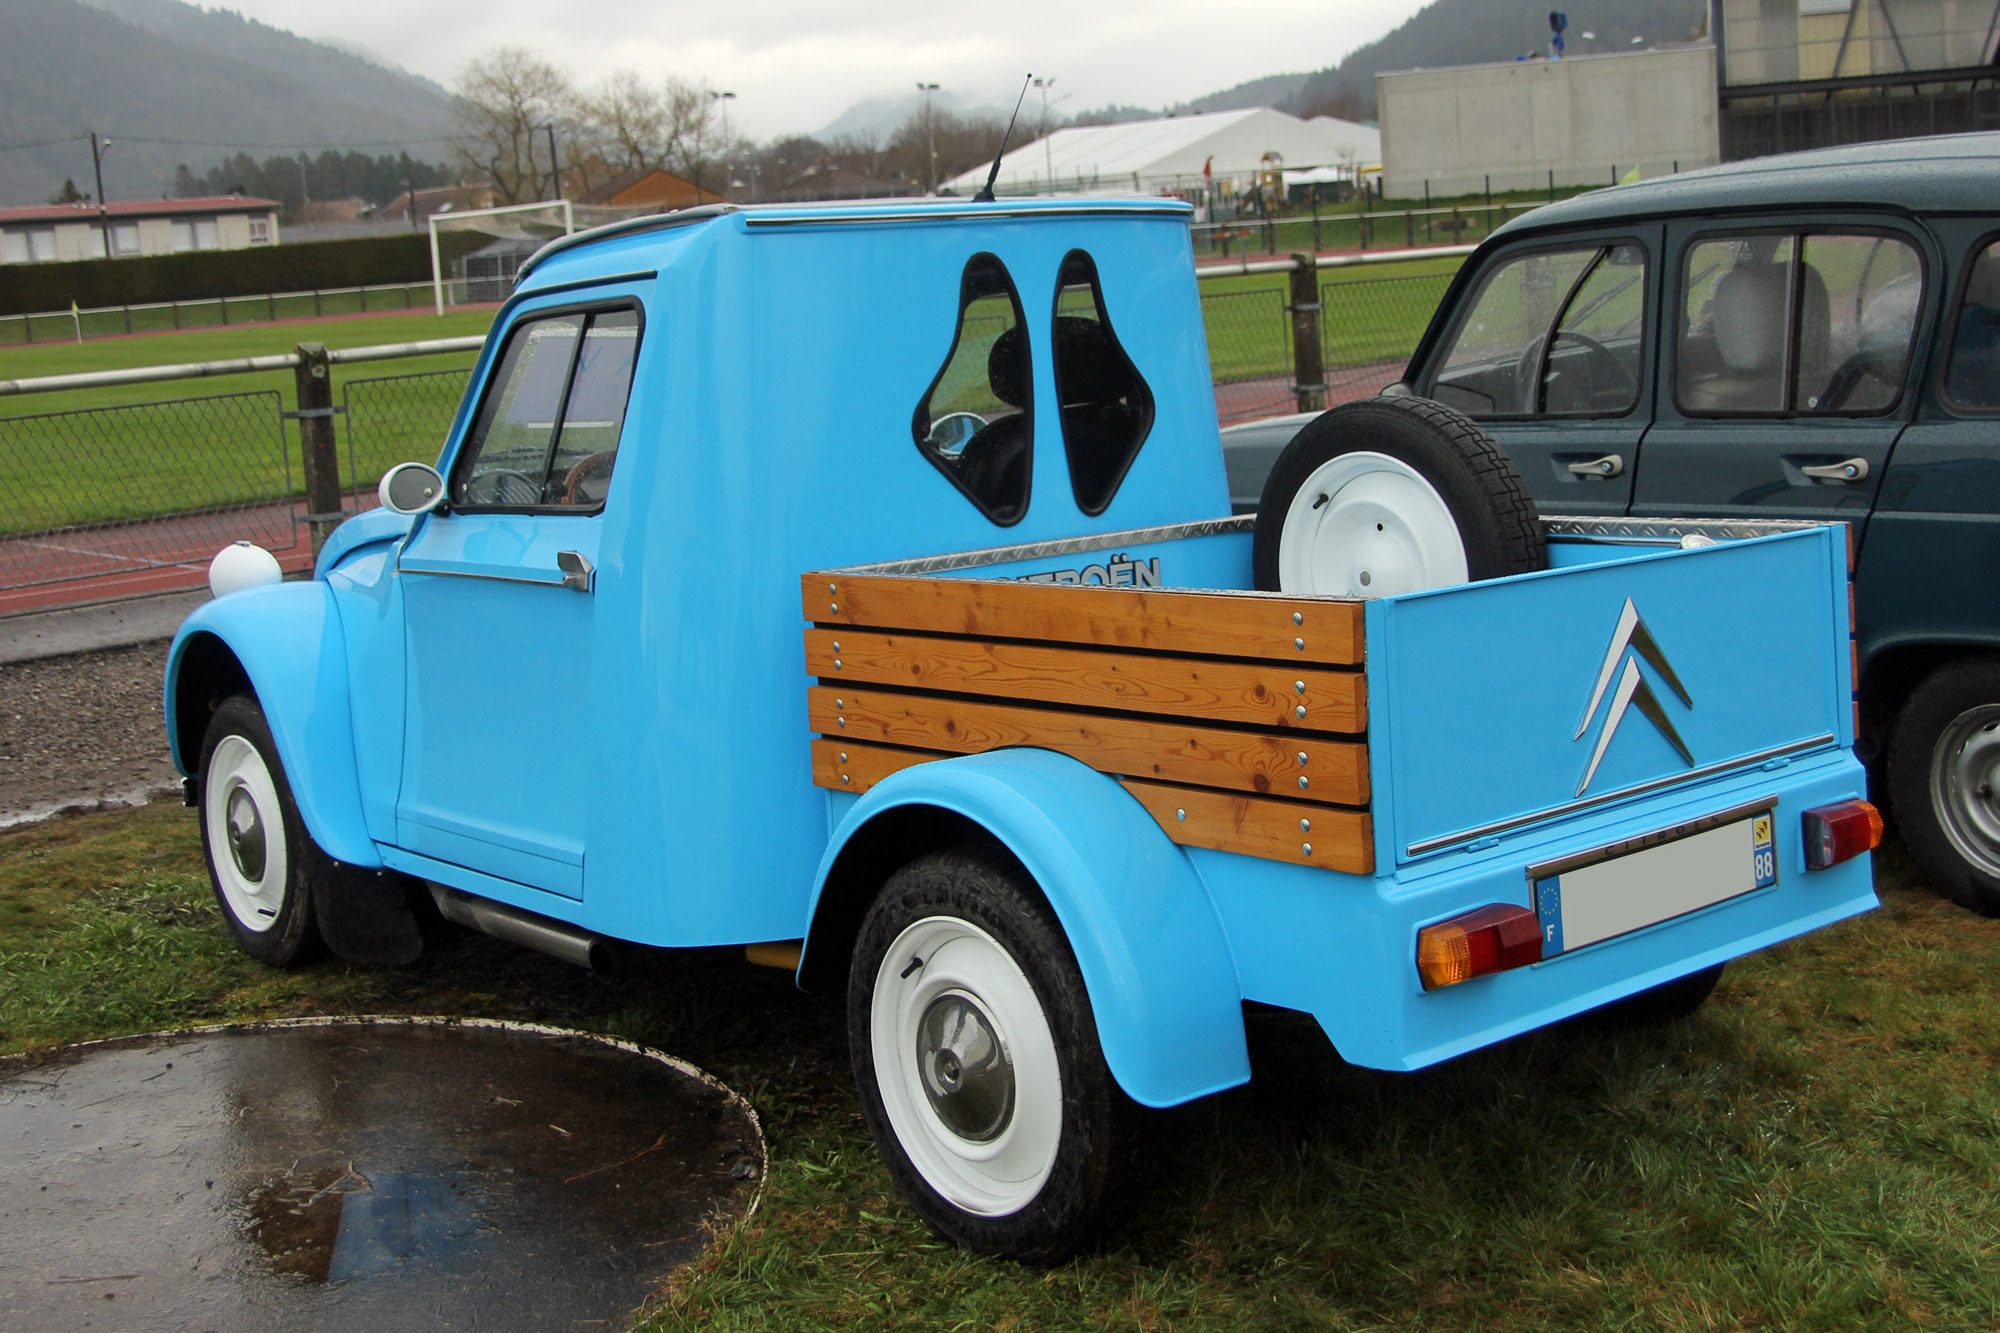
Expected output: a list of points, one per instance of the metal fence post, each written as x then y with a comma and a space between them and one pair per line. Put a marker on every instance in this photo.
314, 380
1308, 367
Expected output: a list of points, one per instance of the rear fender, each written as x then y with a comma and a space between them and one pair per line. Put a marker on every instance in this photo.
1151, 948
283, 643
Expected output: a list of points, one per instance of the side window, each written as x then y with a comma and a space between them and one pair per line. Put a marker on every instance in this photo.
976, 422
1105, 405
547, 433
1972, 377
1552, 332
1814, 324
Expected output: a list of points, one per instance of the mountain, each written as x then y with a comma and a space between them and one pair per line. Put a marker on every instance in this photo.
874, 119
170, 84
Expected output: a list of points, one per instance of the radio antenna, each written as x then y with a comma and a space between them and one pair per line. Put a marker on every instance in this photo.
985, 196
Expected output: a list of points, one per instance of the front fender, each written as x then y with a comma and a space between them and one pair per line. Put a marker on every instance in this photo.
1151, 948
287, 640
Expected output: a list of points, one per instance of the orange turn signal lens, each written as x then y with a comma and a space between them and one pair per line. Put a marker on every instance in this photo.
1488, 939
1837, 832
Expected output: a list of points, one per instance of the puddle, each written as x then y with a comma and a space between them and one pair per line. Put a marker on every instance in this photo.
359, 1175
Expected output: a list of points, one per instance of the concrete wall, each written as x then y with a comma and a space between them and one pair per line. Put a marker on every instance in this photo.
1581, 118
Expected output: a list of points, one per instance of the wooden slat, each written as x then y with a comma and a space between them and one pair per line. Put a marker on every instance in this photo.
1280, 629
1259, 826
1332, 771
1255, 693
1250, 825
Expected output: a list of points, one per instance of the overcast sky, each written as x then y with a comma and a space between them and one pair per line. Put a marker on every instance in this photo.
795, 65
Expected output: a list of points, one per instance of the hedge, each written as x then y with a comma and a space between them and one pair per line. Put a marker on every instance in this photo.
207, 274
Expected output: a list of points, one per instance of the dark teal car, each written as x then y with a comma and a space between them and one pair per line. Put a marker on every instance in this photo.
1810, 336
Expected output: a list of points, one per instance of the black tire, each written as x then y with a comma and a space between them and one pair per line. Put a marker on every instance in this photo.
1943, 745
1495, 520
286, 900
1664, 1003
1055, 1148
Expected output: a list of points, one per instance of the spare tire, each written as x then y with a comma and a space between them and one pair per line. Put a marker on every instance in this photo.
1392, 495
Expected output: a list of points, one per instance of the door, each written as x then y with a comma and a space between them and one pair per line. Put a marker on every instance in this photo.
1553, 356
498, 597
1787, 375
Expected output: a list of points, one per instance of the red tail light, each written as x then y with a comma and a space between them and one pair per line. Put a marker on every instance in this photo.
1488, 939
1833, 833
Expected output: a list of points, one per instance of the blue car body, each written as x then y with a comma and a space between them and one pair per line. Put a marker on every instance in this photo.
630, 756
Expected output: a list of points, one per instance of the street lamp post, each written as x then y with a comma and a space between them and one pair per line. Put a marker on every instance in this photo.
725, 99
555, 163
930, 129
1048, 159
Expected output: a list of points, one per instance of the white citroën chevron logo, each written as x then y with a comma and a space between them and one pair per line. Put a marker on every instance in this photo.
1632, 689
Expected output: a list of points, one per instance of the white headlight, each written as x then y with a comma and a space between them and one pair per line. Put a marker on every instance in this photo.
242, 565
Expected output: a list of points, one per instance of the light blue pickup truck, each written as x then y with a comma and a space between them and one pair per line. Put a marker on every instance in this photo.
858, 585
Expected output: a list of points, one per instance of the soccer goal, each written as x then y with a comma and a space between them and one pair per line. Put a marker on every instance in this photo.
475, 254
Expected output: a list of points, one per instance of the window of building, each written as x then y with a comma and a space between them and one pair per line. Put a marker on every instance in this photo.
125, 239
14, 247
975, 423
548, 430
1105, 406
205, 235
42, 245
260, 231
183, 236
1551, 333
1813, 323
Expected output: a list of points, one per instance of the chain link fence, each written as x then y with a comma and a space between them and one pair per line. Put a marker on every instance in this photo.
115, 490
156, 486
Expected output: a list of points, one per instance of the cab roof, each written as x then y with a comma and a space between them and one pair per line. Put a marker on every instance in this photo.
873, 211
1944, 174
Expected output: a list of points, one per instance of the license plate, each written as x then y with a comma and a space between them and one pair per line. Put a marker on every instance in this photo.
1663, 875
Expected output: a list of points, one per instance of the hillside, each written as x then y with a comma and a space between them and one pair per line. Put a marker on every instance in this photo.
170, 83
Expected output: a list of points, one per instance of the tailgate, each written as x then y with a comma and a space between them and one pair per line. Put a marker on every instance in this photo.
1503, 705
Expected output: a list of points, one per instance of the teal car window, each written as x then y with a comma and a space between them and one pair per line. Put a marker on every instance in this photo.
1972, 379
547, 433
1812, 324
1105, 406
1496, 363
975, 423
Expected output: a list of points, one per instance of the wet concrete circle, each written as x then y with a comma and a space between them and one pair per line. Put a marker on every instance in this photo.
359, 1174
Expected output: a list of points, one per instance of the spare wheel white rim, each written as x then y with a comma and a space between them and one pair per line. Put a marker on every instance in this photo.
966, 1066
1368, 525
246, 834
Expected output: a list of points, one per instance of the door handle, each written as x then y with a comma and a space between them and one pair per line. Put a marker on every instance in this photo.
1853, 469
577, 572
1610, 465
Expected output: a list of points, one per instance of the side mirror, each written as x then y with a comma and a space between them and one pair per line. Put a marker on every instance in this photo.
411, 488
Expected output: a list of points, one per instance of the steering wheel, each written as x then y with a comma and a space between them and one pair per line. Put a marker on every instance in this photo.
587, 482
1604, 367
1840, 386
502, 486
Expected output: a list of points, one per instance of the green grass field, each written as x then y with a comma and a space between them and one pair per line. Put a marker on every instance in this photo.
1816, 1149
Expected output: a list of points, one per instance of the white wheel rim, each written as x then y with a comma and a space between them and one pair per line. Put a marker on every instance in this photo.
246, 834
1965, 786
1368, 525
966, 975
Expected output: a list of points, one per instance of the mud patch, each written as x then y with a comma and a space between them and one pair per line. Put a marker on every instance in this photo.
359, 1175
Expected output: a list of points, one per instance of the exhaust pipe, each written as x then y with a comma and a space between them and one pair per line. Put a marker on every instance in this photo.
536, 932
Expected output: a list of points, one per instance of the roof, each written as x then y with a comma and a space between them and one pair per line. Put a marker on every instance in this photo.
1947, 173
1228, 142
649, 185
858, 212
140, 208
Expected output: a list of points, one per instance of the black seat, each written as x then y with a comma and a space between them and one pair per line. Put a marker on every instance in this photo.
994, 465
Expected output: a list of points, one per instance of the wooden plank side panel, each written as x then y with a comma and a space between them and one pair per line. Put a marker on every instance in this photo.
1302, 767
1297, 698
1240, 624
1249, 825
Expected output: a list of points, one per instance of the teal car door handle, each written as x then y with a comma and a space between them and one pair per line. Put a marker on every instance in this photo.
577, 572
1852, 469
1610, 465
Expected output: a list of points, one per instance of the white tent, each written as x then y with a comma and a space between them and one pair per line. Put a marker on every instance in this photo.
1177, 153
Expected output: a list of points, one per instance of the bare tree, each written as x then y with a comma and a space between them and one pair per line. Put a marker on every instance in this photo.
636, 126
506, 98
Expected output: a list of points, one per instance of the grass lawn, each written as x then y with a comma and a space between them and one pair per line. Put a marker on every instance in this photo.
1818, 1148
